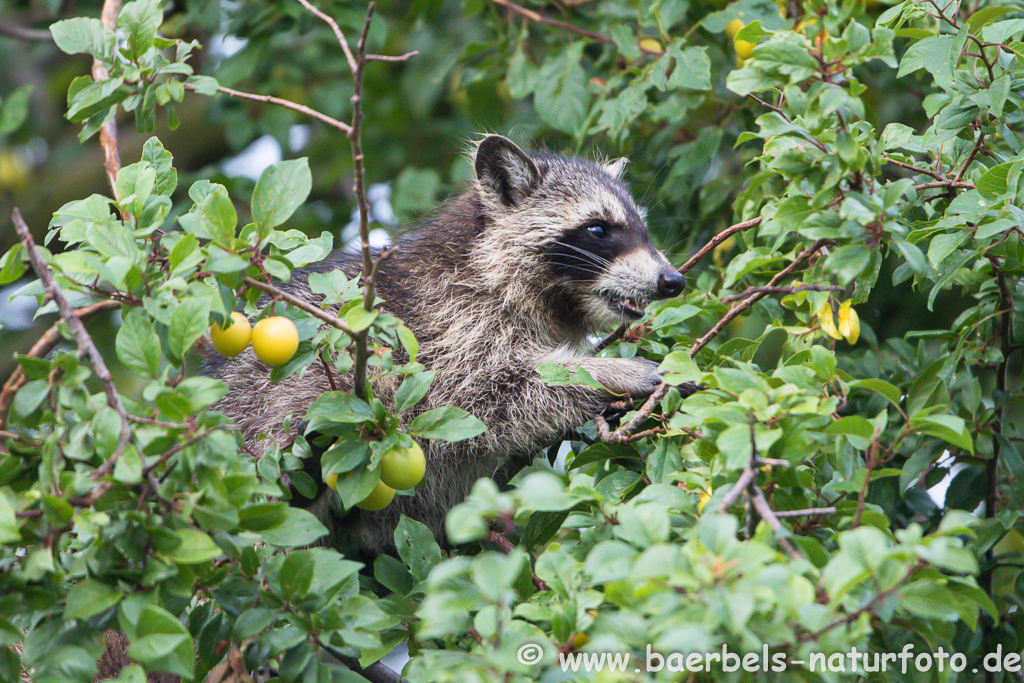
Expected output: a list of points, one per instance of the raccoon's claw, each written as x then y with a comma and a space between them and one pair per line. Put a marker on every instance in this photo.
687, 389
648, 378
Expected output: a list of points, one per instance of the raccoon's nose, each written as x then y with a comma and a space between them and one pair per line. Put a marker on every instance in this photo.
670, 283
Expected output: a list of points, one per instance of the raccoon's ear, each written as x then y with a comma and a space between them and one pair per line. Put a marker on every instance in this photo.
615, 168
505, 170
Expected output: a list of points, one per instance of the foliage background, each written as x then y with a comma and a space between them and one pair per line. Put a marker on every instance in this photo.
941, 324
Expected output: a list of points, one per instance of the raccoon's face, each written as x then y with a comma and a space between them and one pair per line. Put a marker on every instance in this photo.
581, 220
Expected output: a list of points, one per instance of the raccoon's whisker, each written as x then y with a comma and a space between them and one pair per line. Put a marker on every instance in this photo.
588, 254
587, 266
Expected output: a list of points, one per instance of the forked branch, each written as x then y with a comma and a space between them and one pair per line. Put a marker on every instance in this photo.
82, 338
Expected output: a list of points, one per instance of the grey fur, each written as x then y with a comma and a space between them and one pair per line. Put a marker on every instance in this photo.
501, 280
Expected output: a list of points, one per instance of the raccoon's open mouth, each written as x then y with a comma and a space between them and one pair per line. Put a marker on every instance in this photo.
627, 306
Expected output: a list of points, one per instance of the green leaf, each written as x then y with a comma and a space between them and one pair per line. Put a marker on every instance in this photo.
14, 109
281, 189
545, 492
151, 648
204, 85
337, 407
891, 393
139, 20
297, 575
417, 547
986, 14
679, 367
196, 547
90, 597
358, 318
522, 75
160, 159
561, 96
8, 522
995, 181
852, 425
213, 217
134, 185
12, 266
252, 622
93, 98
300, 527
450, 424
189, 321
185, 254
409, 342
932, 54
413, 389
160, 641
927, 390
83, 35
949, 428
692, 68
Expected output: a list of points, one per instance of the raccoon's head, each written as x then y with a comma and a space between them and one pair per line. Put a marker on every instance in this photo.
574, 225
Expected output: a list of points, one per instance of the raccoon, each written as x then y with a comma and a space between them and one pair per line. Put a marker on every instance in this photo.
539, 254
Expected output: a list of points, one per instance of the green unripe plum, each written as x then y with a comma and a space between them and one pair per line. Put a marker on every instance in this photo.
403, 468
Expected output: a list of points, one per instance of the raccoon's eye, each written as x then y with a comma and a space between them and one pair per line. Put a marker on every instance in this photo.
598, 229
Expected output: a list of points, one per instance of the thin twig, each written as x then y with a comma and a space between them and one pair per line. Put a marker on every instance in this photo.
82, 338
353, 64
43, 346
287, 104
392, 58
315, 311
499, 539
746, 478
750, 291
911, 167
872, 462
806, 512
608, 436
747, 303
540, 19
767, 514
970, 157
23, 33
874, 602
716, 240
357, 63
948, 184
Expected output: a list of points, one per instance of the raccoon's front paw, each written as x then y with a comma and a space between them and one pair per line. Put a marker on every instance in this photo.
644, 377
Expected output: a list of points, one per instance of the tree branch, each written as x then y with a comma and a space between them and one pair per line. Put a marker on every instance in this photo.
747, 303
915, 169
23, 33
750, 291
540, 19
287, 104
81, 337
315, 311
108, 131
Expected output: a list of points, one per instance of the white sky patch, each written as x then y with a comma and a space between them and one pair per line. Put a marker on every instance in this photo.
254, 159
379, 198
298, 137
16, 314
223, 45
